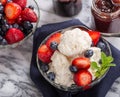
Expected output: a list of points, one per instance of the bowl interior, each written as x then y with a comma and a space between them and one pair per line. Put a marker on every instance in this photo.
37, 11
73, 88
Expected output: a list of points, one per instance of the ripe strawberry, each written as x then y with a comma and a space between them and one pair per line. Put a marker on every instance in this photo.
53, 38
3, 2
83, 78
29, 15
12, 10
19, 20
95, 36
44, 53
14, 35
116, 1
81, 63
22, 3
9, 21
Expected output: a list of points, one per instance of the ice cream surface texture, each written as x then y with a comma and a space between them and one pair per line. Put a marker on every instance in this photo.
74, 42
60, 65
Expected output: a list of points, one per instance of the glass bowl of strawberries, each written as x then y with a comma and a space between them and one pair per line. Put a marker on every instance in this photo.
18, 20
74, 59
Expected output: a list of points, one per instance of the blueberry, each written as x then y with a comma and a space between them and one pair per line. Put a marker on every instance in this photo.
3, 21
10, 26
4, 42
73, 69
31, 7
1, 15
101, 45
1, 9
2, 33
5, 27
44, 67
27, 25
15, 25
88, 53
26, 32
9, 0
53, 45
51, 76
21, 28
1, 39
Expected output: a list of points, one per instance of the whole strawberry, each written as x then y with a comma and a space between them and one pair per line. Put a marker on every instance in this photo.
29, 15
14, 35
22, 3
3, 2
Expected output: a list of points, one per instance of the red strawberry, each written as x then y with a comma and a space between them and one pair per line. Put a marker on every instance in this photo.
14, 35
95, 36
12, 10
44, 53
22, 3
53, 38
3, 2
29, 15
116, 1
83, 78
9, 21
19, 20
81, 63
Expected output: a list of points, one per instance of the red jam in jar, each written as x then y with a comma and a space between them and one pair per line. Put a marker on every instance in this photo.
106, 16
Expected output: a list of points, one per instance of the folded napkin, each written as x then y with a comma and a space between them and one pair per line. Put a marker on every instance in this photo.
48, 90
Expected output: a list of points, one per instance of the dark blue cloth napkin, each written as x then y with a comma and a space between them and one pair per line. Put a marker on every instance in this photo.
48, 90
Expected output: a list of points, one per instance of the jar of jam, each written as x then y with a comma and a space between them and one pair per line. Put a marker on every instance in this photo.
106, 16
67, 7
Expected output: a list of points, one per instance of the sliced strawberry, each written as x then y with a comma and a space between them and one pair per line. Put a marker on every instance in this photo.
12, 10
14, 35
22, 3
95, 36
83, 78
53, 38
29, 15
44, 53
81, 63
3, 2
9, 21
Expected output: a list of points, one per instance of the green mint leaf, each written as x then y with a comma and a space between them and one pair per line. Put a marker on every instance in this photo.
106, 63
94, 65
109, 59
103, 57
111, 64
102, 72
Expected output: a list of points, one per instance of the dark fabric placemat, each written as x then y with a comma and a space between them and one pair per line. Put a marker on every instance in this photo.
48, 90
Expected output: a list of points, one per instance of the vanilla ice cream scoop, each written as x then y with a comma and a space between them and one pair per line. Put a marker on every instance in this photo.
60, 66
74, 42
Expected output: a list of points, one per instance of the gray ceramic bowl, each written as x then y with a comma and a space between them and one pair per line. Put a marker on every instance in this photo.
73, 88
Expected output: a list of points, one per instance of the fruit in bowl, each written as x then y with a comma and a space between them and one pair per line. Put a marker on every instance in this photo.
75, 58
18, 20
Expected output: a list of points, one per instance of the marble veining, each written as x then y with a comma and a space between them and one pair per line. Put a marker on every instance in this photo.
15, 62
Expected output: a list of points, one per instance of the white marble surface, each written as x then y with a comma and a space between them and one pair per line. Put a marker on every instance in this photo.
15, 63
